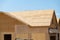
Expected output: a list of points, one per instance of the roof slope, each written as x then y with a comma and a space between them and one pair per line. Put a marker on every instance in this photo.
34, 18
57, 20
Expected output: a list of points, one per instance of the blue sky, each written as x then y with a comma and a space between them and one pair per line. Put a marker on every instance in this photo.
21, 5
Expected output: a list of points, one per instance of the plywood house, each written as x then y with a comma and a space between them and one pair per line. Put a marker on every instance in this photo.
29, 25
58, 21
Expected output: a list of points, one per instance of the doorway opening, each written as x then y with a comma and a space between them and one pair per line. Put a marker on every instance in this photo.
52, 37
7, 37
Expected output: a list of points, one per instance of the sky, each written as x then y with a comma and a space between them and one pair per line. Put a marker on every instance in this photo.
22, 5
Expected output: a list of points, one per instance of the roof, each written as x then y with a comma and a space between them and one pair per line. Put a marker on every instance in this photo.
57, 20
34, 18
